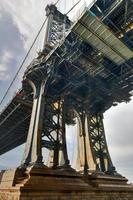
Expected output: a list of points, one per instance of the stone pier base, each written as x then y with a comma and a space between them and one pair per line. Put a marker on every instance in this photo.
15, 195
46, 184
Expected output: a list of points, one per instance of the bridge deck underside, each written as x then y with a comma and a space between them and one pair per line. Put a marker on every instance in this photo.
14, 122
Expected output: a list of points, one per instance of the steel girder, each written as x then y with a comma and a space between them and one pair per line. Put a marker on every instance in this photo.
98, 143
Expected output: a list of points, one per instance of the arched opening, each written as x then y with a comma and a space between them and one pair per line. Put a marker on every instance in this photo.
75, 146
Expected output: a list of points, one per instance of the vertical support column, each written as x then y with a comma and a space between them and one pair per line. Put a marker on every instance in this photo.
65, 154
86, 165
84, 148
56, 151
33, 147
90, 159
80, 155
99, 144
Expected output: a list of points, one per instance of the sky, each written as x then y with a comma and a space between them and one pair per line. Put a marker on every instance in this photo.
19, 24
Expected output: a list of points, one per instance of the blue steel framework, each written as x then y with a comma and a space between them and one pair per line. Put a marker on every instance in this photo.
71, 74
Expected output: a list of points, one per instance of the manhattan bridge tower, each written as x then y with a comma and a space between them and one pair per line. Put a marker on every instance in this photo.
61, 95
85, 67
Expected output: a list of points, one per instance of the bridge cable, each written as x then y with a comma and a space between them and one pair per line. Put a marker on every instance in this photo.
23, 62
73, 7
24, 59
56, 2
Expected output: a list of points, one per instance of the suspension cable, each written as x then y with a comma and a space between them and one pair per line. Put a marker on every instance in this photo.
23, 62
25, 59
73, 7
56, 2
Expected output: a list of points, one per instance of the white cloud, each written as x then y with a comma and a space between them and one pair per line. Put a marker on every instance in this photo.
118, 127
3, 68
5, 59
27, 15
7, 56
4, 76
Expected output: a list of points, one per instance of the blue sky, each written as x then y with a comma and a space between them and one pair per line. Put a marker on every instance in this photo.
19, 23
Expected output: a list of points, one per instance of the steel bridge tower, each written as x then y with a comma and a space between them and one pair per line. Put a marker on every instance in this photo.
73, 80
52, 111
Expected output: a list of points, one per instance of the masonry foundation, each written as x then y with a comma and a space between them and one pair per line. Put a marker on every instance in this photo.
62, 184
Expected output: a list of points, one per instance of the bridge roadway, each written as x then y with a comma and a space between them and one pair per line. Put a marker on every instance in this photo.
91, 62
